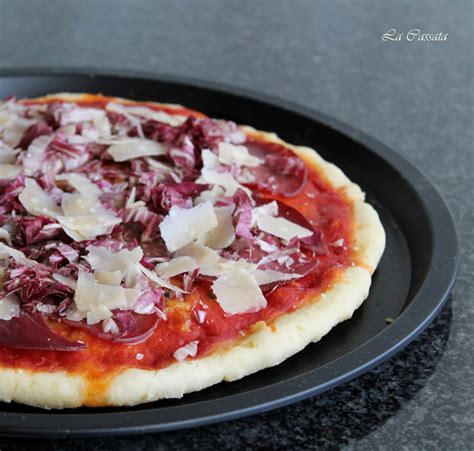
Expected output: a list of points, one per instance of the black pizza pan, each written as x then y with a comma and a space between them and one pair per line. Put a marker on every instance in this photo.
409, 287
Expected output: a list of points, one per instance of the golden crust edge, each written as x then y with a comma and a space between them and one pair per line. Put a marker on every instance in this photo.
77, 97
265, 347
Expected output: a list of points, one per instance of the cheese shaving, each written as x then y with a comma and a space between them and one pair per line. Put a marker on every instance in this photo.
68, 281
147, 113
159, 281
97, 300
176, 266
102, 259
18, 256
9, 171
270, 209
203, 255
188, 258
77, 204
238, 292
36, 201
189, 350
76, 115
12, 128
282, 228
224, 265
183, 225
135, 148
223, 234
269, 276
224, 179
238, 155
9, 307
7, 154
81, 183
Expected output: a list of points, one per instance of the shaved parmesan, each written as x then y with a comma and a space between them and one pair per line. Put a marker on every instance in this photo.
76, 236
269, 276
97, 300
18, 256
216, 192
224, 265
33, 157
7, 154
36, 201
224, 179
135, 148
84, 217
13, 127
266, 247
81, 183
238, 155
108, 277
204, 256
9, 171
147, 113
282, 228
270, 209
77, 204
238, 292
91, 224
76, 115
136, 279
188, 258
154, 278
109, 325
98, 129
224, 233
97, 314
5, 235
68, 281
209, 159
188, 350
45, 308
175, 266
182, 226
9, 307
102, 259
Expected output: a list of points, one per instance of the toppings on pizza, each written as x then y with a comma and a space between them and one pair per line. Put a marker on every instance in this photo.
132, 148
237, 291
188, 350
184, 225
31, 331
137, 225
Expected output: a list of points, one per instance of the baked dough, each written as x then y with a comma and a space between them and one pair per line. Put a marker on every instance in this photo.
265, 345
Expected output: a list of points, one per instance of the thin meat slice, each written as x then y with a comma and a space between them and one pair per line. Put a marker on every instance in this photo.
31, 331
129, 327
280, 174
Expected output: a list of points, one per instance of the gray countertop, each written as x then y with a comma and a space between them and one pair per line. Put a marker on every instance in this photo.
416, 97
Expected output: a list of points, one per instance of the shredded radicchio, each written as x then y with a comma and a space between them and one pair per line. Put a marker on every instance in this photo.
60, 138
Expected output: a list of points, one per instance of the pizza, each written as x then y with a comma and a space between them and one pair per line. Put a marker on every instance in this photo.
148, 251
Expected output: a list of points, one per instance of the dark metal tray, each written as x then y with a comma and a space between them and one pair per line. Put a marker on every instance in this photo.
411, 284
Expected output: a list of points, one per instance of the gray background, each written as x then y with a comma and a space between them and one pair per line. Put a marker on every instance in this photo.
416, 97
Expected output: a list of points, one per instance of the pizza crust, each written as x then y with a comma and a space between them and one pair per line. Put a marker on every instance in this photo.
263, 347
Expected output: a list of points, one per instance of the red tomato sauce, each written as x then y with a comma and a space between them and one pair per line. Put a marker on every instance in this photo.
327, 209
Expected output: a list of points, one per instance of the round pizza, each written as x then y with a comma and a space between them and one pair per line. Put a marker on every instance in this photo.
148, 251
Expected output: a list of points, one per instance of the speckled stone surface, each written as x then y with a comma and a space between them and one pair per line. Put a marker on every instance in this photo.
417, 97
